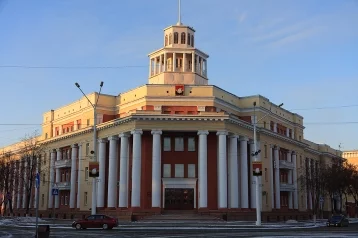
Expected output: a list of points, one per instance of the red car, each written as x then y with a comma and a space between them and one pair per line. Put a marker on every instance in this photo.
96, 221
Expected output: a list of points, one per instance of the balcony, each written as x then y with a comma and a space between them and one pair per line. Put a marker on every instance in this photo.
284, 164
64, 185
287, 187
64, 163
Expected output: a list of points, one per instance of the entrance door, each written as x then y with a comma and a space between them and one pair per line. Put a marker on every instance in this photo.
179, 199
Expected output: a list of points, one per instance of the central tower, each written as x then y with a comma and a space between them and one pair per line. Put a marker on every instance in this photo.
178, 62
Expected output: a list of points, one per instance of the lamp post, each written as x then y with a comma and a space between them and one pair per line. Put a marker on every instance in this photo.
94, 179
258, 177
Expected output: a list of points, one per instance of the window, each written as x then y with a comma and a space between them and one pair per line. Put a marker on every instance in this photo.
176, 37
88, 122
43, 179
170, 39
66, 200
192, 40
265, 150
67, 176
182, 38
179, 144
87, 149
167, 171
86, 173
166, 40
266, 179
63, 177
179, 170
85, 199
191, 170
167, 146
189, 38
46, 135
42, 200
264, 124
62, 200
191, 144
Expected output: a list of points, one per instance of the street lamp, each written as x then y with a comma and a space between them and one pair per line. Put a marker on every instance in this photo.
94, 179
258, 177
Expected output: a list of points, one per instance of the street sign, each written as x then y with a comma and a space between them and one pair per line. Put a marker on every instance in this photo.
37, 180
93, 169
257, 168
55, 191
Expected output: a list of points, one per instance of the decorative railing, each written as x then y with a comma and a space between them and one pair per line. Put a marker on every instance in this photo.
64, 185
287, 187
64, 163
284, 164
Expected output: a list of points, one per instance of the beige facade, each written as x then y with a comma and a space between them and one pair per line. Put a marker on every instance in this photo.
177, 102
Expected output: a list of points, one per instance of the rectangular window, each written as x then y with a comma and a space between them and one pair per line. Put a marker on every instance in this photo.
266, 179
66, 200
61, 200
43, 179
191, 144
87, 149
265, 150
88, 122
167, 171
191, 170
264, 125
85, 199
179, 144
86, 173
167, 145
179, 170
42, 200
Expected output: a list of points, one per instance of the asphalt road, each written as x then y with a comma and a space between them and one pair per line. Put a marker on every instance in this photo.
340, 232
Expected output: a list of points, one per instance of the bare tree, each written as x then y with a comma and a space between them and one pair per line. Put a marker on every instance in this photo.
7, 176
30, 153
312, 180
353, 186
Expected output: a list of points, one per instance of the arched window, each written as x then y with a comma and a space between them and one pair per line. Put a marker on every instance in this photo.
176, 37
170, 39
182, 38
166, 40
192, 41
189, 38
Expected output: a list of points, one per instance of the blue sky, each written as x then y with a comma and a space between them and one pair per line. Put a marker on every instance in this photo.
302, 53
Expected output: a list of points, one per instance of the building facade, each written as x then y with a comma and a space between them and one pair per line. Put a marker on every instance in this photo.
176, 143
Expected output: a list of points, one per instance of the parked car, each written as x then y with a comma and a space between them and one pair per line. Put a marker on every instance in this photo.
96, 221
338, 220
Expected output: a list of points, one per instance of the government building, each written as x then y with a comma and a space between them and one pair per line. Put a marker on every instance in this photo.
175, 143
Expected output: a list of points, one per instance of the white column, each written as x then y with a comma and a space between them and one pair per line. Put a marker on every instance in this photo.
112, 171
277, 178
36, 193
52, 178
136, 167
222, 170
155, 65
102, 172
290, 198
295, 193
73, 176
244, 176
233, 173
25, 183
174, 61
184, 61
252, 178
14, 178
156, 168
201, 66
293, 133
124, 162
271, 177
79, 179
19, 185
197, 64
310, 176
274, 127
287, 132
203, 169
165, 62
58, 178
160, 63
193, 62
289, 158
150, 67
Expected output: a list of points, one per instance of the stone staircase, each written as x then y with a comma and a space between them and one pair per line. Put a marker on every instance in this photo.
181, 216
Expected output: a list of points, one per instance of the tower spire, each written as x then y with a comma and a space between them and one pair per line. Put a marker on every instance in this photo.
179, 14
